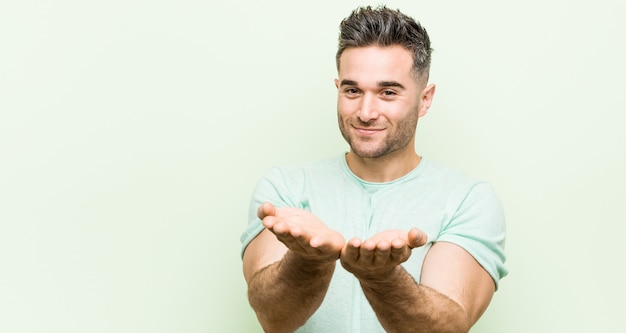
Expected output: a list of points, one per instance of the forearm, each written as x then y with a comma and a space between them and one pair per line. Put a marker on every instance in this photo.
402, 305
285, 294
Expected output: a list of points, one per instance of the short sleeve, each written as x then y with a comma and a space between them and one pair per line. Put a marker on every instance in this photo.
478, 226
270, 188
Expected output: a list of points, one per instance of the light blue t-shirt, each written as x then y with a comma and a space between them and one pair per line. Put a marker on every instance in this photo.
446, 204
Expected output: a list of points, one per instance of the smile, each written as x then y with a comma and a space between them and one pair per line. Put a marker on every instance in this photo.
368, 131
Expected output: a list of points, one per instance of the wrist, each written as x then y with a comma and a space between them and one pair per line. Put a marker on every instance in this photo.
301, 263
381, 278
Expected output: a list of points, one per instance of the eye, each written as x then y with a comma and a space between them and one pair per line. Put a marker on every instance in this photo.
388, 93
351, 92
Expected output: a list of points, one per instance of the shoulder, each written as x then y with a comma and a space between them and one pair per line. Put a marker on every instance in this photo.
475, 218
442, 173
450, 180
460, 192
297, 173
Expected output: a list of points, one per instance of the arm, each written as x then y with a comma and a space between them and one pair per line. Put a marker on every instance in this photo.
288, 267
453, 293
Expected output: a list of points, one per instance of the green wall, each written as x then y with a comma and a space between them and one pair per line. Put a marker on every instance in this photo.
132, 133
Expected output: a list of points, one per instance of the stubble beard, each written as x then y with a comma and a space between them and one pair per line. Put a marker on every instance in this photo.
395, 140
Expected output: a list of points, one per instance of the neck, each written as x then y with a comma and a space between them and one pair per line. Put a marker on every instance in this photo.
385, 168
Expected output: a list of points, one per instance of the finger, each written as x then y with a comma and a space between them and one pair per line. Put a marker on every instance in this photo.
398, 248
302, 238
350, 251
292, 238
323, 248
278, 226
383, 252
367, 251
321, 244
266, 209
269, 222
296, 245
317, 242
299, 240
417, 238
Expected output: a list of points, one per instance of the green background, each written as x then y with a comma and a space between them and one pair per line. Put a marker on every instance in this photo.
132, 133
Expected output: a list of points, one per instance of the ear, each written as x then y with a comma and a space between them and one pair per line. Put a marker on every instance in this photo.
426, 98
337, 83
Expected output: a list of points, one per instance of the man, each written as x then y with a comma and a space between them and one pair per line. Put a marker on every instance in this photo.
425, 243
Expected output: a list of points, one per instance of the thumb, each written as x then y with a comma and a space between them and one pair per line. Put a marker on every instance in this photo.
417, 238
266, 209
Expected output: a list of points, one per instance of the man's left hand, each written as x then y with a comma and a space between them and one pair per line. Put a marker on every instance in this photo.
376, 257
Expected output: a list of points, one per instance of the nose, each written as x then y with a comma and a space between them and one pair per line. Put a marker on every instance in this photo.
368, 108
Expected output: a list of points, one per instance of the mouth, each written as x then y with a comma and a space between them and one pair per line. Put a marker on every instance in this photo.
367, 131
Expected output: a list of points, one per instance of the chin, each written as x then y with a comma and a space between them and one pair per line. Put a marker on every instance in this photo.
368, 153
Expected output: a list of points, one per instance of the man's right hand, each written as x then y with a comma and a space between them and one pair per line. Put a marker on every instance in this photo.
302, 232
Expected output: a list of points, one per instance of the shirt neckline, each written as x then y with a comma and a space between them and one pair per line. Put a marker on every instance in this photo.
374, 186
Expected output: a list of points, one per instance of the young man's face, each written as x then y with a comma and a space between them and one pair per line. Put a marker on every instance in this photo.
379, 100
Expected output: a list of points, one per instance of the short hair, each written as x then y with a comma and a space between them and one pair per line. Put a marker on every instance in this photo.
382, 26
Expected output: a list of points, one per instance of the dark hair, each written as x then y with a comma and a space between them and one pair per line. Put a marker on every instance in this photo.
382, 26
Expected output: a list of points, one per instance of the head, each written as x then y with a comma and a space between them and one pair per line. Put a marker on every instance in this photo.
381, 26
382, 62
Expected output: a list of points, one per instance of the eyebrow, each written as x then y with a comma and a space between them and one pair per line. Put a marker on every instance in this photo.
347, 83
379, 83
390, 84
